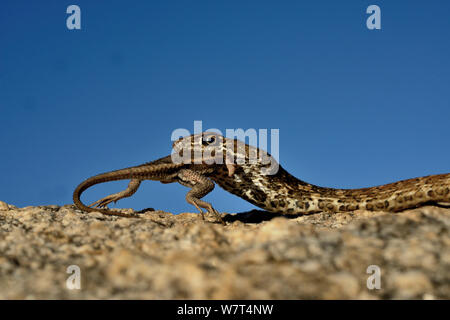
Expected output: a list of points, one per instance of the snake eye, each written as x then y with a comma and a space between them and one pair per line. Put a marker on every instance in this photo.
208, 140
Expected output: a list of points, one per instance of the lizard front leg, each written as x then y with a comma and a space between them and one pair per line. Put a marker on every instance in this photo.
128, 192
201, 186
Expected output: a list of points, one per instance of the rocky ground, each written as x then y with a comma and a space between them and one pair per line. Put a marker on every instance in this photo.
257, 255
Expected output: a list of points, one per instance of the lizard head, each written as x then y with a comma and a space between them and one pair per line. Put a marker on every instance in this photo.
214, 149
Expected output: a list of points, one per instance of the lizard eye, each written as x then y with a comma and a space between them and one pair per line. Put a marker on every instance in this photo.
208, 140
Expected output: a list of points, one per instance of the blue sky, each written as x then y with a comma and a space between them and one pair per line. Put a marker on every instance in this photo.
355, 107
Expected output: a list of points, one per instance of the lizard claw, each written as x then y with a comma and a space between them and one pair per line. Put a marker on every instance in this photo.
217, 215
103, 203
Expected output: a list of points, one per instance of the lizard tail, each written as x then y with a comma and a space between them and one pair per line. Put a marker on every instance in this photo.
122, 174
155, 170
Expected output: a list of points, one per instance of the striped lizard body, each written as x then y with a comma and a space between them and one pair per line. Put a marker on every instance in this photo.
199, 161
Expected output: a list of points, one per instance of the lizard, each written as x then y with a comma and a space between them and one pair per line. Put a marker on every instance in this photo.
206, 159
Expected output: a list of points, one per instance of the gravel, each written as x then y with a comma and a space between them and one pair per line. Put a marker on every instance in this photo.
257, 255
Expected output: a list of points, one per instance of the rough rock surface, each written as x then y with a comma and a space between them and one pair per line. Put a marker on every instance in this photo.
257, 255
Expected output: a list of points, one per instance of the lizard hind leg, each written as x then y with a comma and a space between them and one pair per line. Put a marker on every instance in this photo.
200, 187
200, 203
129, 191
